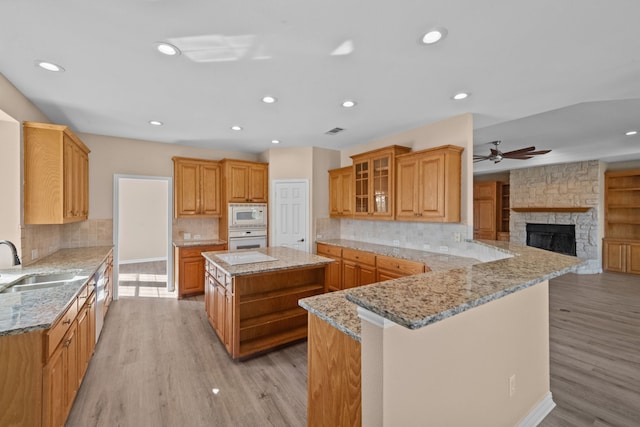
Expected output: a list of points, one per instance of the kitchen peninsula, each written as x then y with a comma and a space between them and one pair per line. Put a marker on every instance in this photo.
251, 296
465, 346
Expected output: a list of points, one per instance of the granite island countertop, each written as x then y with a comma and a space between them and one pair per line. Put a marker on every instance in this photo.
26, 311
197, 242
419, 300
285, 258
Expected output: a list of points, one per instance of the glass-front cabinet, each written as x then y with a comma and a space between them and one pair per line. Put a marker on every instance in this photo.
374, 182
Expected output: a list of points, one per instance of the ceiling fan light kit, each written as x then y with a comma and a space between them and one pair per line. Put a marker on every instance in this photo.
521, 154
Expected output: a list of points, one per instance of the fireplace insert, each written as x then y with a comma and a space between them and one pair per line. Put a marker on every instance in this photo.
558, 238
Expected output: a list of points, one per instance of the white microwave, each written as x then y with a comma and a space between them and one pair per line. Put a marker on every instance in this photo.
247, 215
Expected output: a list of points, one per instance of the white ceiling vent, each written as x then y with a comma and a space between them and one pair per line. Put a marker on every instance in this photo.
334, 131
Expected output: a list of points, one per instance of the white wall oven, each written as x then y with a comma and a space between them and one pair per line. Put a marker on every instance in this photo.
247, 226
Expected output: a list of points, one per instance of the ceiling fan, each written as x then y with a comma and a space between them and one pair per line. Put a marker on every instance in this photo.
497, 155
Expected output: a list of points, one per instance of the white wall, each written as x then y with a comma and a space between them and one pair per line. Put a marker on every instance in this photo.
143, 219
10, 195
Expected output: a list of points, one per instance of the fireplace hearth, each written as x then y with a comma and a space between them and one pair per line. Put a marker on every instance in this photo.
558, 238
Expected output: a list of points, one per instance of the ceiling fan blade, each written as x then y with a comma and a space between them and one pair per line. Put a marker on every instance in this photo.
520, 157
520, 151
480, 158
537, 153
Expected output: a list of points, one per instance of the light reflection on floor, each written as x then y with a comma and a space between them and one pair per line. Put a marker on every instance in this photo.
142, 281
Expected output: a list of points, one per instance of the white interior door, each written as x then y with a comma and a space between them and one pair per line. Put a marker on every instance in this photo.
290, 216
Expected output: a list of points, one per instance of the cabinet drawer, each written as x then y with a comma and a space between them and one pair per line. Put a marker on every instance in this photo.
56, 332
323, 249
398, 265
359, 256
194, 252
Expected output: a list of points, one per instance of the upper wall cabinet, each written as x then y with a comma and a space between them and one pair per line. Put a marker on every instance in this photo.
197, 188
429, 185
244, 181
341, 192
374, 180
56, 175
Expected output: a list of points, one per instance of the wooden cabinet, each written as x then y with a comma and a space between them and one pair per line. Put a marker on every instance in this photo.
334, 377
257, 312
245, 181
622, 222
334, 270
392, 268
358, 268
56, 175
491, 210
429, 185
374, 182
189, 268
341, 192
621, 256
197, 188
108, 285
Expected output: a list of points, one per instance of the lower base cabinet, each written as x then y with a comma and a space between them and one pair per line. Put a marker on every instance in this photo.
45, 368
257, 312
621, 256
189, 268
334, 377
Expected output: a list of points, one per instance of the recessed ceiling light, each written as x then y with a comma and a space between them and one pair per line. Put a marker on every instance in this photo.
349, 103
236, 128
167, 49
434, 35
275, 141
460, 95
631, 133
155, 123
269, 99
49, 66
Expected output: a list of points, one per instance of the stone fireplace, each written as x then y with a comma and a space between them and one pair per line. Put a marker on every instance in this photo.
565, 194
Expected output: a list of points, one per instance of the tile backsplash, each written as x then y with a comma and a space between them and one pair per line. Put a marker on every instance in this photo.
206, 228
39, 241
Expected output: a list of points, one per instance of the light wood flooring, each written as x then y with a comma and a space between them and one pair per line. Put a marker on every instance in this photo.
158, 362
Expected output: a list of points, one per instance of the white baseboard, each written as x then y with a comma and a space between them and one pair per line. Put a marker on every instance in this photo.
137, 261
542, 409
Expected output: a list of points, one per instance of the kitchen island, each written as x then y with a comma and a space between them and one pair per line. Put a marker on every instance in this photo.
251, 296
465, 346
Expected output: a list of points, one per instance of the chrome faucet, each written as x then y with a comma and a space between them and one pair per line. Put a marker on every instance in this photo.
16, 258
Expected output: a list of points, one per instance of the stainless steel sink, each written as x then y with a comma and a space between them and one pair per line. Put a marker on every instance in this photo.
44, 281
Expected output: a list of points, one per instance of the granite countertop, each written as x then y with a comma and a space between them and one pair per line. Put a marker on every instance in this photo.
198, 242
26, 311
286, 258
419, 300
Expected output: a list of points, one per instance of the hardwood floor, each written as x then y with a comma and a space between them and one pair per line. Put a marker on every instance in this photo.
595, 350
158, 361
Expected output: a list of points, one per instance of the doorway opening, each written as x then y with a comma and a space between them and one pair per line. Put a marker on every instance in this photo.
143, 265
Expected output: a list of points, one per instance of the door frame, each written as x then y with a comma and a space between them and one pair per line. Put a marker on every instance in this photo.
272, 203
116, 226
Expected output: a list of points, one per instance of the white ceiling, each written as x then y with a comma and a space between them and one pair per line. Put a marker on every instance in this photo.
561, 75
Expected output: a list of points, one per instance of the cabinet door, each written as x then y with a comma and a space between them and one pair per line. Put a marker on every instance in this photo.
432, 187
54, 393
633, 258
210, 193
349, 274
228, 322
381, 183
361, 172
484, 219
258, 183
615, 256
382, 275
84, 353
191, 276
335, 194
237, 183
91, 313
68, 162
187, 190
71, 342
346, 191
407, 189
367, 275
220, 310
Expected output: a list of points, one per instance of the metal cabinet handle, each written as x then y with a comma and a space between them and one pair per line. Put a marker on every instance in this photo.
301, 240
67, 343
66, 322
